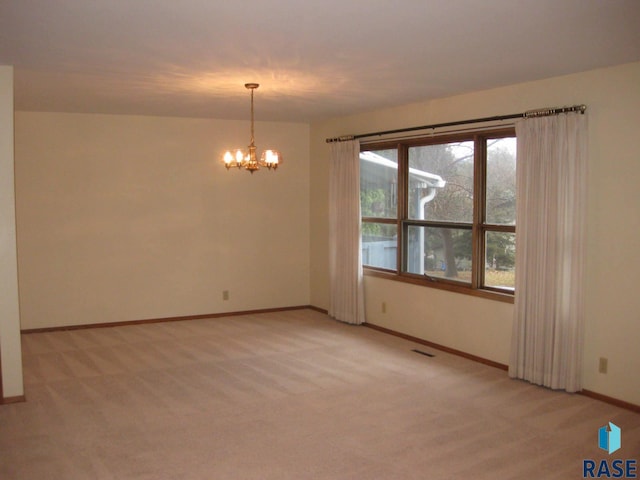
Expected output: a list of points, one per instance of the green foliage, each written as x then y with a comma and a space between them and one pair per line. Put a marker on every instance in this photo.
371, 230
500, 250
372, 202
501, 185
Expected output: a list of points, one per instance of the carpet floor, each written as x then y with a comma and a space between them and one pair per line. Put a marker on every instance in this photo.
287, 395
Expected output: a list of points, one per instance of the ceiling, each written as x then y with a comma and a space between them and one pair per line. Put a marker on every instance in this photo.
314, 59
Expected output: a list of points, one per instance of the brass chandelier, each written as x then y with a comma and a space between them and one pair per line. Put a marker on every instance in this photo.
247, 158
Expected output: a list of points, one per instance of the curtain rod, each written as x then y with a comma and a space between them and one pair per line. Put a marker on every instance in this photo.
542, 112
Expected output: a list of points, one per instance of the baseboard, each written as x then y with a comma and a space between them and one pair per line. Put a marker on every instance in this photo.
16, 399
318, 309
610, 400
586, 393
162, 320
442, 348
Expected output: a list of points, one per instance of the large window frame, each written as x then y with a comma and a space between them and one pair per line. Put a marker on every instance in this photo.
478, 226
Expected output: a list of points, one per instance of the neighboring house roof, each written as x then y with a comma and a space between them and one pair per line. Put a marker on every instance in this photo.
431, 179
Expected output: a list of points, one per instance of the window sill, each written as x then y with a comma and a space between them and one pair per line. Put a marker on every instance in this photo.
441, 285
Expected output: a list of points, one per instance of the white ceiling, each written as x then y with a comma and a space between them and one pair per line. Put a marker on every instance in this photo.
314, 59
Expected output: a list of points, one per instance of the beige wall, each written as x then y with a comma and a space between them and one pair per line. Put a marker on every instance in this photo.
483, 327
9, 308
129, 217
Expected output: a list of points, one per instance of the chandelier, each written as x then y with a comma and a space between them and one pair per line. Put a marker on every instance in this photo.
247, 158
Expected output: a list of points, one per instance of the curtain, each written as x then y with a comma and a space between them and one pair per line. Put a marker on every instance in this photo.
345, 253
550, 251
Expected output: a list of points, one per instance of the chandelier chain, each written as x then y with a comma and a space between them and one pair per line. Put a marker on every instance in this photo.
252, 128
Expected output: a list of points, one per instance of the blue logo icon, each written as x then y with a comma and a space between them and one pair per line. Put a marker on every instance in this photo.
610, 438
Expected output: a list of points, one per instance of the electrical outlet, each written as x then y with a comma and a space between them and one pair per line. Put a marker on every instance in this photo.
603, 365
225, 295
384, 307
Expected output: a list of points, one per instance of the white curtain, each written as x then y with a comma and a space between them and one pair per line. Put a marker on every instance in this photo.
345, 253
550, 251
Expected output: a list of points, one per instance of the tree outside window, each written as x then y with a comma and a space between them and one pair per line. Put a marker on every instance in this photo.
442, 210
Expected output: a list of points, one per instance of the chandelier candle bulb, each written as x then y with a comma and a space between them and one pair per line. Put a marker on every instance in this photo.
248, 159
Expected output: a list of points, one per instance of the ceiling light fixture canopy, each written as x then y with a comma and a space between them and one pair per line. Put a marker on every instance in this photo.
247, 158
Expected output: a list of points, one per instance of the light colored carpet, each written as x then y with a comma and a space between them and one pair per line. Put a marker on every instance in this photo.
290, 395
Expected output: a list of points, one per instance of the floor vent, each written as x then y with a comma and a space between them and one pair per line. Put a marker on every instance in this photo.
426, 354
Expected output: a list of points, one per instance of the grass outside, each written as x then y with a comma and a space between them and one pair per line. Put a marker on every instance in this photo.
492, 278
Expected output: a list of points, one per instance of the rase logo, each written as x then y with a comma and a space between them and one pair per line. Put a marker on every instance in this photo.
609, 440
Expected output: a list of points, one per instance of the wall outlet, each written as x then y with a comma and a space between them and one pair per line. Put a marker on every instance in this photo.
225, 295
603, 365
384, 307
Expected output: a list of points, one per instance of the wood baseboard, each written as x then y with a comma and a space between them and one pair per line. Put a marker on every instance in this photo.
161, 320
586, 393
318, 309
610, 400
16, 399
442, 348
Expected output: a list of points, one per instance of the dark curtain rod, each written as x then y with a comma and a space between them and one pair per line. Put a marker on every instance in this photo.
542, 112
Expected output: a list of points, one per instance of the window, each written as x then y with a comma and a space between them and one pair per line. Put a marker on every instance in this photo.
440, 211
